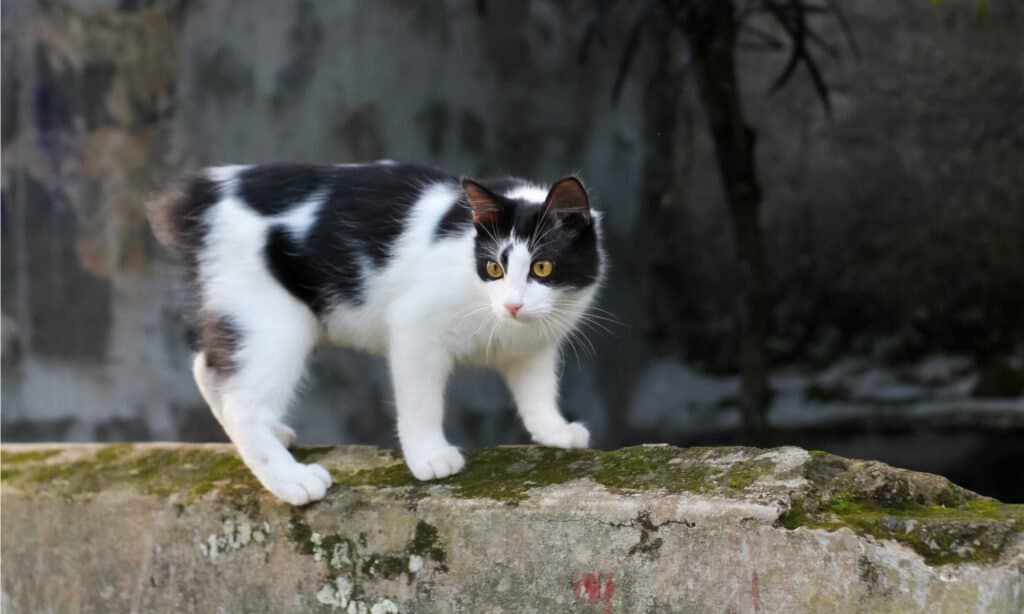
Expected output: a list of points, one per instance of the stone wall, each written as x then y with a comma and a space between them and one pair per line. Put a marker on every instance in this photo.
893, 226
171, 528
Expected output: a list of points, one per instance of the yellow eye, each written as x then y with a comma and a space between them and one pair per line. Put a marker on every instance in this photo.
542, 268
494, 270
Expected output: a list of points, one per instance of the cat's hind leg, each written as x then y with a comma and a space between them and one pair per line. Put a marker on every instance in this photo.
207, 382
266, 367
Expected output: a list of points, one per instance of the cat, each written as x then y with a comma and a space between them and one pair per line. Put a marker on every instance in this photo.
400, 260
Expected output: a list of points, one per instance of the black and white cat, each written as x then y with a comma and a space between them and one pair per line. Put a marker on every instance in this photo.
395, 259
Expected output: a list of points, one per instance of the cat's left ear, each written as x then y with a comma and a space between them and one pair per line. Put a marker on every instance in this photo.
568, 201
486, 206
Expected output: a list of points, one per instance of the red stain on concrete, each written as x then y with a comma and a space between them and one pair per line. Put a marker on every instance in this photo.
609, 590
595, 587
589, 585
755, 591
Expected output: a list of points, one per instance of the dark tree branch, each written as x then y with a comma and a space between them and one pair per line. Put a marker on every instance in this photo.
712, 30
734, 149
793, 18
632, 45
594, 30
845, 25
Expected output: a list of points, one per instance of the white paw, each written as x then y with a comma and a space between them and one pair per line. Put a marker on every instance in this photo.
567, 435
294, 482
436, 462
285, 434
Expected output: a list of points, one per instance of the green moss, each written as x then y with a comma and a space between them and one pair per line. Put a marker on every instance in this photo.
939, 520
744, 473
11, 458
311, 454
974, 532
340, 554
508, 474
384, 565
390, 476
187, 474
108, 454
300, 533
424, 542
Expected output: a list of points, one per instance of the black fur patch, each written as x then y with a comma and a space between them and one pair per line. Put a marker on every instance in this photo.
458, 220
293, 268
364, 213
219, 338
274, 188
177, 215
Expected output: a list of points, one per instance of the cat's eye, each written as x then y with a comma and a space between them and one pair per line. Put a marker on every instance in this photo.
542, 268
494, 270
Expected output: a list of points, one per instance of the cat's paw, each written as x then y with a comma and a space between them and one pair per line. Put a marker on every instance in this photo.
568, 435
435, 463
285, 434
294, 482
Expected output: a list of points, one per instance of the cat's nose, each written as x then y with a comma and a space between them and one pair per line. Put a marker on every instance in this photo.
513, 308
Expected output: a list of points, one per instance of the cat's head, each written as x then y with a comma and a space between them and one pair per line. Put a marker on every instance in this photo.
538, 252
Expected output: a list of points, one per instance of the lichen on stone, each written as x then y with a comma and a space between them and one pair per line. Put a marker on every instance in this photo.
942, 522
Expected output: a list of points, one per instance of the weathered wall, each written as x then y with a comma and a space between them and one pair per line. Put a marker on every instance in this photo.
650, 529
107, 104
899, 214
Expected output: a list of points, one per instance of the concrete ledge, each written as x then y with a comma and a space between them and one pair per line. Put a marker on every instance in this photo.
167, 527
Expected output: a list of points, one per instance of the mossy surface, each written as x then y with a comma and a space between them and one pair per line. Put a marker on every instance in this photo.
939, 520
504, 474
508, 474
13, 458
185, 473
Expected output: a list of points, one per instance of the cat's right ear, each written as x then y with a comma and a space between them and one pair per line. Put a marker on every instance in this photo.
486, 206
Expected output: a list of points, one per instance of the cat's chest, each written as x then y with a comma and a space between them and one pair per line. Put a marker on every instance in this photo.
489, 342
468, 332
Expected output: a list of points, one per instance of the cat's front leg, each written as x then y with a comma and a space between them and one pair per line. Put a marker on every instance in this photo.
419, 371
534, 383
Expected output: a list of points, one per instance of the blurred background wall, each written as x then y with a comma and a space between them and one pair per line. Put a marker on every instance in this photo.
894, 229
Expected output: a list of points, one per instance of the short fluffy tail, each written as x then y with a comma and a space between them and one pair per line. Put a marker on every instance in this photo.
177, 214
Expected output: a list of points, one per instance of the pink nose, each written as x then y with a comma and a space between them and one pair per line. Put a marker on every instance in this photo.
513, 308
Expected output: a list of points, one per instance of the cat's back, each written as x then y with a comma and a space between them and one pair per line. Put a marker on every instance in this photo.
367, 202
319, 230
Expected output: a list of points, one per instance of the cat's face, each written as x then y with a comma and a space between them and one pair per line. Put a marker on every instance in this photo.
536, 259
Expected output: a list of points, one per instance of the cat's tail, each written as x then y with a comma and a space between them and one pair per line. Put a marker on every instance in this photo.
177, 214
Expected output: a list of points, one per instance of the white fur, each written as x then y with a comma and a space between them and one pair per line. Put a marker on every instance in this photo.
427, 311
532, 193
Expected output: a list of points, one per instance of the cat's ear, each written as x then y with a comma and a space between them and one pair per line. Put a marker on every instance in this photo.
486, 206
567, 200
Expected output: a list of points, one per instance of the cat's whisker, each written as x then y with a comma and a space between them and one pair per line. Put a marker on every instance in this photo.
540, 243
585, 321
585, 342
576, 333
